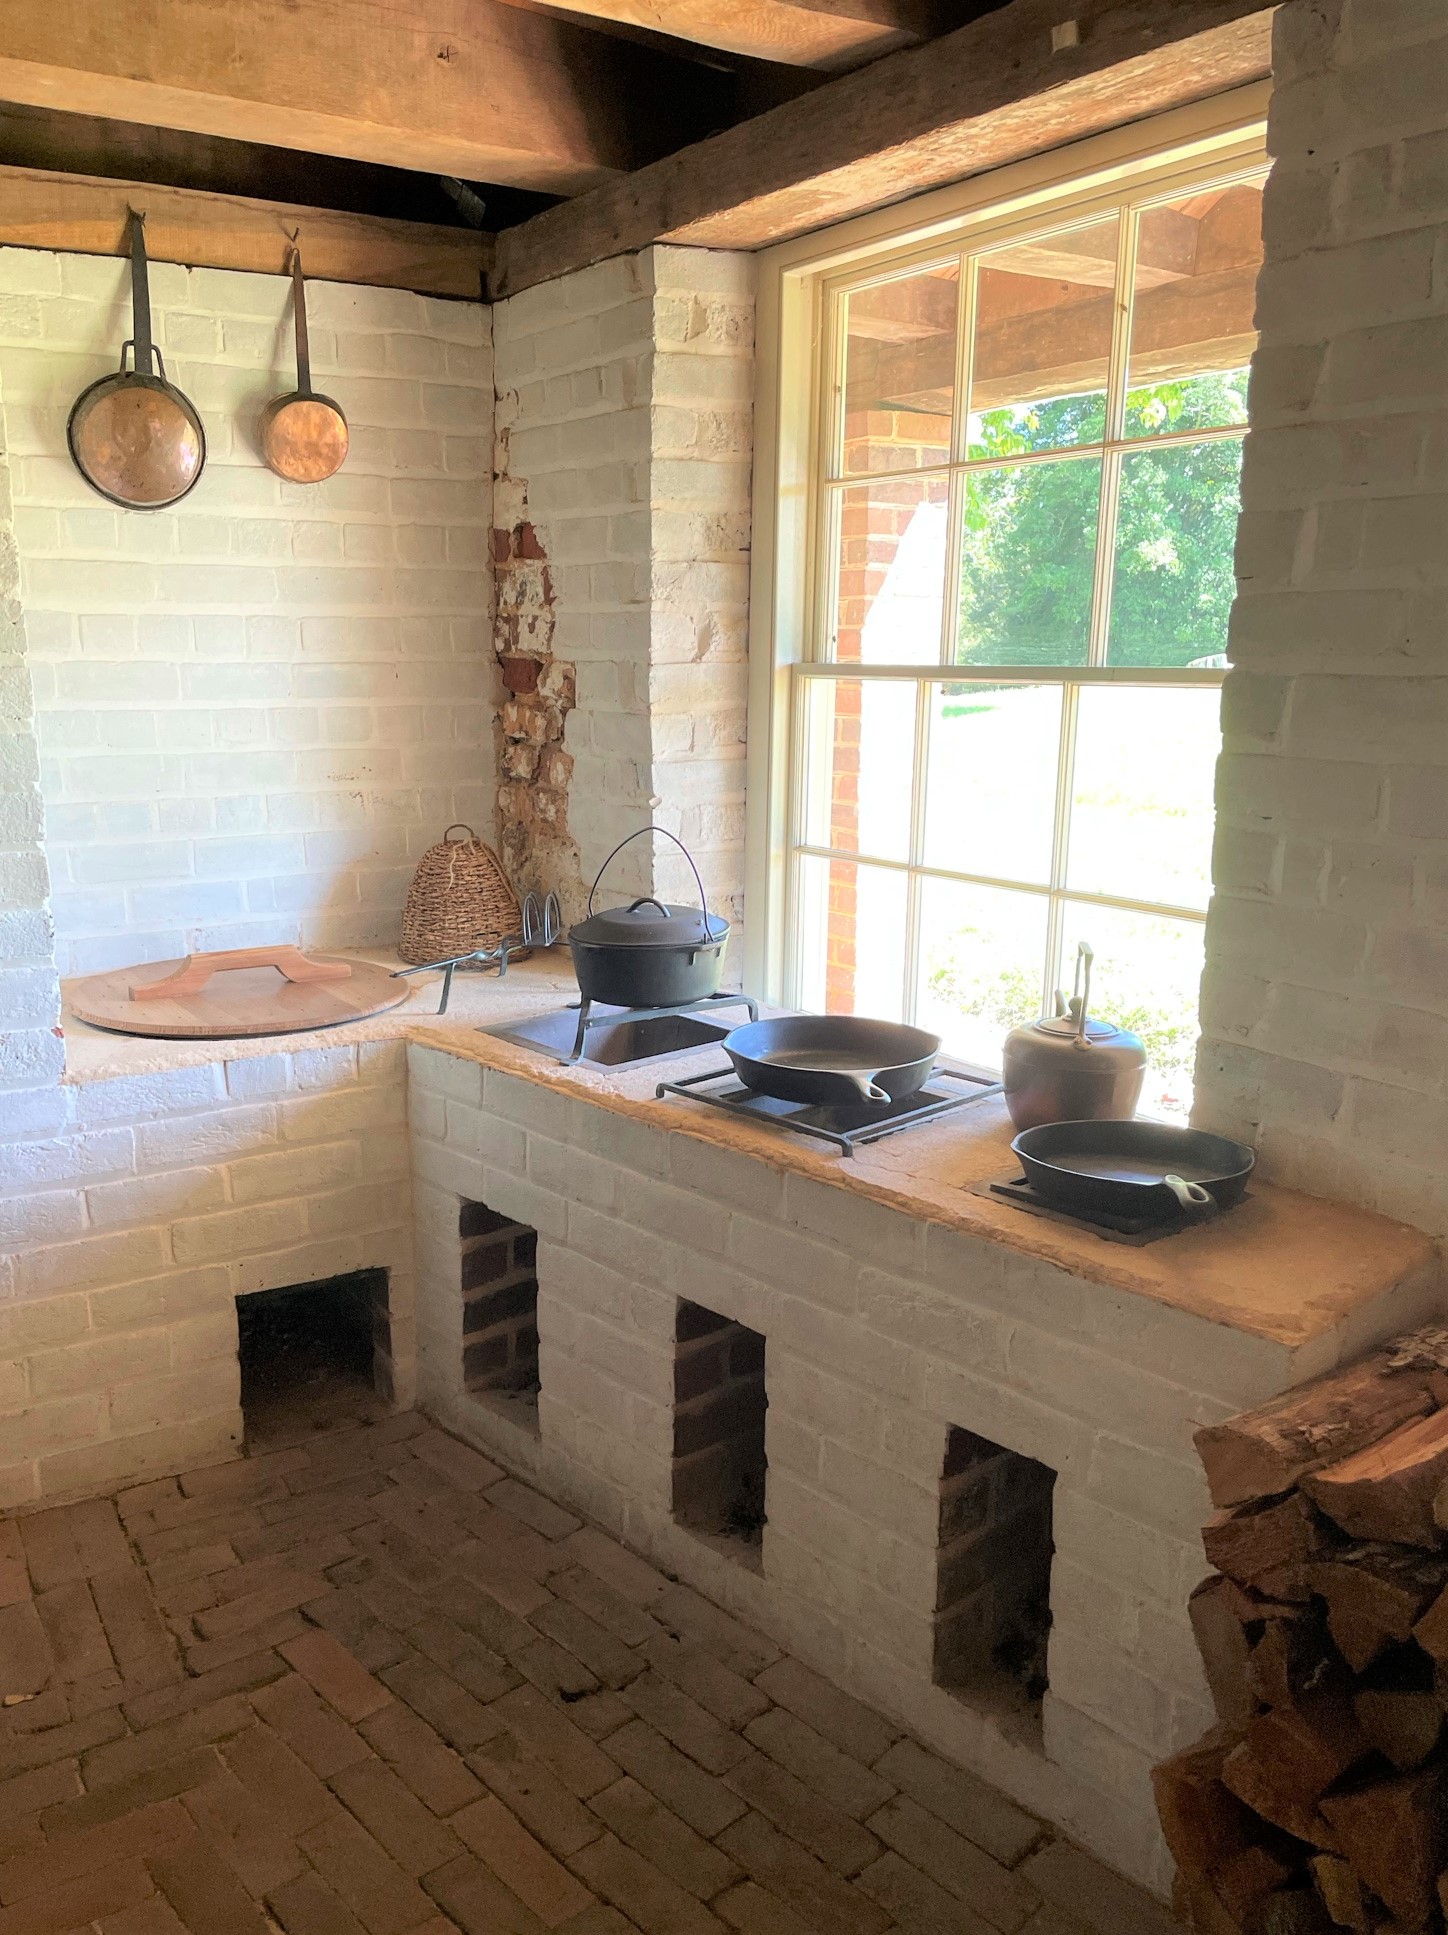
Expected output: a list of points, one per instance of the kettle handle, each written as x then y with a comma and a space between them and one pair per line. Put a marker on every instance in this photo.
1081, 991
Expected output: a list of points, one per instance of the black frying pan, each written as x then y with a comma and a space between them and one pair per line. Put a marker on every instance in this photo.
1134, 1168
831, 1060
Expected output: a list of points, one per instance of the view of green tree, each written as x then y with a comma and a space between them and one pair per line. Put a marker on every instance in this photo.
1030, 531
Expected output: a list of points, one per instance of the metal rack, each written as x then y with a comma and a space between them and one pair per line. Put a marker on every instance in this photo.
845, 1129
616, 1017
541, 924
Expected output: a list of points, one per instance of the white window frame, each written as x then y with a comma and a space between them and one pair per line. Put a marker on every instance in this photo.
794, 422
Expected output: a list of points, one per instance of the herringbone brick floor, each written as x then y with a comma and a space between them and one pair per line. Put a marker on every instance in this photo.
368, 1683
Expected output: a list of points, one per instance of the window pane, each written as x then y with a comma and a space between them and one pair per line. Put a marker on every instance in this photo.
1147, 977
1175, 532
852, 938
1194, 293
900, 371
891, 586
982, 954
1141, 805
1043, 314
990, 789
859, 765
1028, 554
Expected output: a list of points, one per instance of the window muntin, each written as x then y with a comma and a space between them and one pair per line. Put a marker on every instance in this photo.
1038, 490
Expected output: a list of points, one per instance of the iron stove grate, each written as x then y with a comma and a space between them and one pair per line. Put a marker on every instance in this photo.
846, 1129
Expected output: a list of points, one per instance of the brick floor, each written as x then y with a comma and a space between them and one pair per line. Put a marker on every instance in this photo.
369, 1685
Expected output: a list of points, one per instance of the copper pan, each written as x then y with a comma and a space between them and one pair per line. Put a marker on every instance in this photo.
134, 437
303, 434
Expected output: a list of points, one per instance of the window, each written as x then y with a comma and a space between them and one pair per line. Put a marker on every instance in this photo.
1014, 505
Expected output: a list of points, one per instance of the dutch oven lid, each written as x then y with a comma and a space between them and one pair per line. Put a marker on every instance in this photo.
650, 923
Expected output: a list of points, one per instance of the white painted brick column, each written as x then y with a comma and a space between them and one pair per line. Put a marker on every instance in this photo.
31, 1053
624, 437
1325, 999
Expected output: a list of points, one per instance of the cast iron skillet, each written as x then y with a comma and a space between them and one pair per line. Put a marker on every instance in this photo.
1134, 1168
831, 1060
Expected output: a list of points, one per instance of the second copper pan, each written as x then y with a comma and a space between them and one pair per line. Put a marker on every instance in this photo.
303, 434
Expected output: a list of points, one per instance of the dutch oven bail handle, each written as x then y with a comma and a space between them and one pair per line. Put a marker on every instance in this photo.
648, 900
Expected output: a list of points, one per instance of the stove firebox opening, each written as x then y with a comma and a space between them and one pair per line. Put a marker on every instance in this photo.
313, 1355
500, 1310
993, 1571
719, 1406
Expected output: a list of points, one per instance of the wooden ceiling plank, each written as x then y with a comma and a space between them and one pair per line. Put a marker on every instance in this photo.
828, 34
87, 216
472, 88
990, 93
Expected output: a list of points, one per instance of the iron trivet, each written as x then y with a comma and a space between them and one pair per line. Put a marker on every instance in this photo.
846, 1129
1137, 1231
614, 1017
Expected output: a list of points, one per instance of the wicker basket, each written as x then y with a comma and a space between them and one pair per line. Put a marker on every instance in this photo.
459, 900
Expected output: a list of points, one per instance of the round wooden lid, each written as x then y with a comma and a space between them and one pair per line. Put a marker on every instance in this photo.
240, 1001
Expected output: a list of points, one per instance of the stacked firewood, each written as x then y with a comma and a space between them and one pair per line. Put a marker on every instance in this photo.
1320, 1800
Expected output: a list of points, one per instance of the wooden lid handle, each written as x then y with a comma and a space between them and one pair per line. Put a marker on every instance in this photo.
197, 970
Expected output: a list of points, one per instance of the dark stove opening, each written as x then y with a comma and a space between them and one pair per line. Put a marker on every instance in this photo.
993, 1572
500, 1311
720, 1402
313, 1355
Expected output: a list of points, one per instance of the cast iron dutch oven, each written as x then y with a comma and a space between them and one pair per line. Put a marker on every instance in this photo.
1134, 1168
649, 954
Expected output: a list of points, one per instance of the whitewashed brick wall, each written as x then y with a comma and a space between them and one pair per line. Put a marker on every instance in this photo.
880, 1332
1325, 1000
257, 707
624, 424
31, 1053
126, 1239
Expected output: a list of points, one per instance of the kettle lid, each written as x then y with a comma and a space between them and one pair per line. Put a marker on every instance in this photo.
1067, 1028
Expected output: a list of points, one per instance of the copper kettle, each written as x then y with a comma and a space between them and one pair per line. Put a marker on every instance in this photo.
1068, 1068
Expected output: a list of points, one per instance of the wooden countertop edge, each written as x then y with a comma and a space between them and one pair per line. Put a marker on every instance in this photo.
1077, 1253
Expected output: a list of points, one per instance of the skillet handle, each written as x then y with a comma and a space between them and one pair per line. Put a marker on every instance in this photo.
1195, 1200
869, 1091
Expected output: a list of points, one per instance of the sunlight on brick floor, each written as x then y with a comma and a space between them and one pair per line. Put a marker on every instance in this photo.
369, 1683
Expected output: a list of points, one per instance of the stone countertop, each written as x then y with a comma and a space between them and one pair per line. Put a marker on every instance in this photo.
478, 1000
1283, 1266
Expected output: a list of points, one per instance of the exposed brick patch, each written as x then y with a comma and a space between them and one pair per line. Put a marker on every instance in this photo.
500, 1302
719, 1406
540, 692
993, 1578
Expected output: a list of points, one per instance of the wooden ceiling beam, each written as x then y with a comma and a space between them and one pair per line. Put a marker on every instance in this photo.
993, 92
829, 34
86, 215
472, 88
